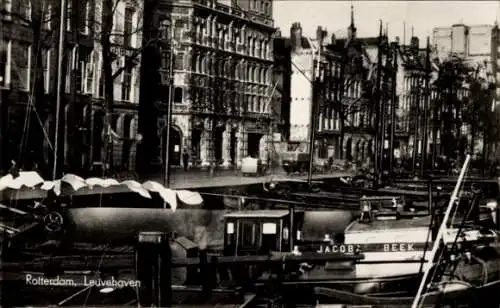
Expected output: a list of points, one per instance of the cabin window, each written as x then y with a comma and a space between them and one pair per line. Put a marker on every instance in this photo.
249, 235
269, 238
230, 228
285, 234
269, 228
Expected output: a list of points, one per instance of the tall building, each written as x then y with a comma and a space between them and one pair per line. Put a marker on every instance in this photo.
477, 44
222, 82
28, 76
343, 72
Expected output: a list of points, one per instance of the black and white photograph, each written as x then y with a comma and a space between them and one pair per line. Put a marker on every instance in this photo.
249, 153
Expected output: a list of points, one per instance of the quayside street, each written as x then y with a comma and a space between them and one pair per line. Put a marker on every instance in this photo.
180, 179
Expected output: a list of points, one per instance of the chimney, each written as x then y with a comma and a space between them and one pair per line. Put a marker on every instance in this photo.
320, 35
296, 35
414, 42
277, 33
333, 39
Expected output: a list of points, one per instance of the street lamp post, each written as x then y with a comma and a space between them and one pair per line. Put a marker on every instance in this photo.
165, 26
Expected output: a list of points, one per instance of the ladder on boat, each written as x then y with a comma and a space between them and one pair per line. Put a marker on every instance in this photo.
439, 242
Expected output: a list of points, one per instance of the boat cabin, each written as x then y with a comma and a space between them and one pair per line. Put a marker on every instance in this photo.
260, 232
386, 229
381, 206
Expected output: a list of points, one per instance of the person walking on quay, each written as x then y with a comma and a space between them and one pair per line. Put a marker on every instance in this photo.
185, 158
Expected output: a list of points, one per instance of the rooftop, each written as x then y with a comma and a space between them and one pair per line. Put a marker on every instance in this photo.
258, 214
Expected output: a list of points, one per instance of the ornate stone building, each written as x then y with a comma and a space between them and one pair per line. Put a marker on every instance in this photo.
222, 75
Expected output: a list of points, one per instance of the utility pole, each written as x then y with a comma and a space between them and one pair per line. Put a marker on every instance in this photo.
168, 117
378, 107
60, 53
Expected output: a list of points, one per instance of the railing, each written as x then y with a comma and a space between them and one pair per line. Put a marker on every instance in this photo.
442, 229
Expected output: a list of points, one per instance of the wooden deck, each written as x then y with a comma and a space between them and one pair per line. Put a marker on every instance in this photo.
378, 225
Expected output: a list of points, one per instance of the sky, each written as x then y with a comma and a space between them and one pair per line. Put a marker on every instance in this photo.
423, 16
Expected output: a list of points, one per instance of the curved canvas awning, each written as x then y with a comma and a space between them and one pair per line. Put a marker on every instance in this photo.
71, 184
25, 179
192, 198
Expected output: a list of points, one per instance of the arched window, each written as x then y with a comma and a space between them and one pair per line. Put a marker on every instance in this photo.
243, 72
195, 63
208, 26
250, 73
203, 63
214, 66
198, 33
227, 69
243, 34
208, 65
263, 77
214, 26
221, 68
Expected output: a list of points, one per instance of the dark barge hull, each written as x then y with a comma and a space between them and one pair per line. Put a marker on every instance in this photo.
484, 296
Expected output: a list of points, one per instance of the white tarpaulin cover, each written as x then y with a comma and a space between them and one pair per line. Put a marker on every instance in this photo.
32, 179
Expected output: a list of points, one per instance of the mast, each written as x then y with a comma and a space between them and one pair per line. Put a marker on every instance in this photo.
393, 107
59, 84
426, 104
377, 104
1, 111
314, 105
383, 104
440, 235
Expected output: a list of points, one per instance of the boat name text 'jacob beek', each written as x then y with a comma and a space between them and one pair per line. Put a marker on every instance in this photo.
351, 248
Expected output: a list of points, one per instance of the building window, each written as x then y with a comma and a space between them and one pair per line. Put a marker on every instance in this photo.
128, 28
22, 65
7, 6
100, 92
88, 75
69, 16
87, 14
47, 19
323, 148
26, 9
126, 83
266, 8
5, 63
178, 95
46, 69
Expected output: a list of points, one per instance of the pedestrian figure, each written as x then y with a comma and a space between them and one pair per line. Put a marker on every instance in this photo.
366, 210
185, 158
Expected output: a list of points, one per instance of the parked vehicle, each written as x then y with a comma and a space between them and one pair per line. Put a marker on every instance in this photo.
295, 161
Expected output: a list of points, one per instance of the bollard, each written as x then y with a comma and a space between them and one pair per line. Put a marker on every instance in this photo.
153, 269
